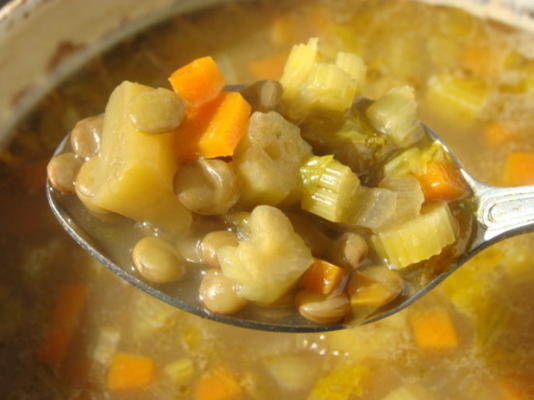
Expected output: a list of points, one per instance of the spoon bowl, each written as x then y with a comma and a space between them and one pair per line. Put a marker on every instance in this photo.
500, 213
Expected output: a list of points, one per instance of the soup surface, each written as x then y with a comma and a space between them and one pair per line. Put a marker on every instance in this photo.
71, 329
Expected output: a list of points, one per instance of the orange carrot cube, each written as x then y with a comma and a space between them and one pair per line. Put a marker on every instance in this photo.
198, 82
434, 330
322, 277
130, 372
441, 180
519, 169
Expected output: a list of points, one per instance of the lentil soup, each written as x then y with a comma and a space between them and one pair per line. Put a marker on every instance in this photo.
71, 329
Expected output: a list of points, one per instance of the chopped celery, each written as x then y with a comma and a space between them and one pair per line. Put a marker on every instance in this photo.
342, 383
150, 316
405, 163
297, 67
181, 370
461, 99
329, 88
373, 208
414, 160
352, 65
291, 371
394, 115
417, 239
409, 392
268, 159
313, 85
328, 187
410, 197
106, 345
270, 261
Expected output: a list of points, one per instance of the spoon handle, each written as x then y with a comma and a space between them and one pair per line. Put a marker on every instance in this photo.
505, 212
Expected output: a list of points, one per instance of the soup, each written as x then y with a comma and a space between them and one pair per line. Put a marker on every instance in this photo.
73, 330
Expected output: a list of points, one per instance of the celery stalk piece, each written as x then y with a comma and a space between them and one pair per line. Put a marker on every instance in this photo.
461, 99
373, 208
414, 160
417, 239
352, 65
394, 115
297, 68
270, 261
181, 370
329, 88
328, 188
106, 346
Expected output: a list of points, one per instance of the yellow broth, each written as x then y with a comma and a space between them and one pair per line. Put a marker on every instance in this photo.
488, 300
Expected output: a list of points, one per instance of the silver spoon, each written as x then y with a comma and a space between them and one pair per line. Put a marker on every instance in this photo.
500, 213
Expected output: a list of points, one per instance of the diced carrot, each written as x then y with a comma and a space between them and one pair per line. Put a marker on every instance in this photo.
433, 330
226, 128
198, 82
192, 128
130, 372
322, 277
218, 384
479, 61
519, 169
62, 325
215, 130
513, 388
441, 180
498, 134
268, 68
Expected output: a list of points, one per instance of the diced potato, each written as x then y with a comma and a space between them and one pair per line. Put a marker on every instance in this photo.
460, 99
291, 372
394, 115
134, 172
419, 238
268, 160
268, 263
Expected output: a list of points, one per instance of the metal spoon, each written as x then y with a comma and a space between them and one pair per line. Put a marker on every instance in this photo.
500, 213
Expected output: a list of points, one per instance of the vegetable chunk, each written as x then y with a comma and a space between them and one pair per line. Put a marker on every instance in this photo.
270, 261
434, 330
215, 129
419, 238
198, 82
133, 176
518, 169
130, 372
218, 384
268, 160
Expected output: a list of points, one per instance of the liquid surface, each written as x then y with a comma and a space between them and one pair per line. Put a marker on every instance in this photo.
488, 303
